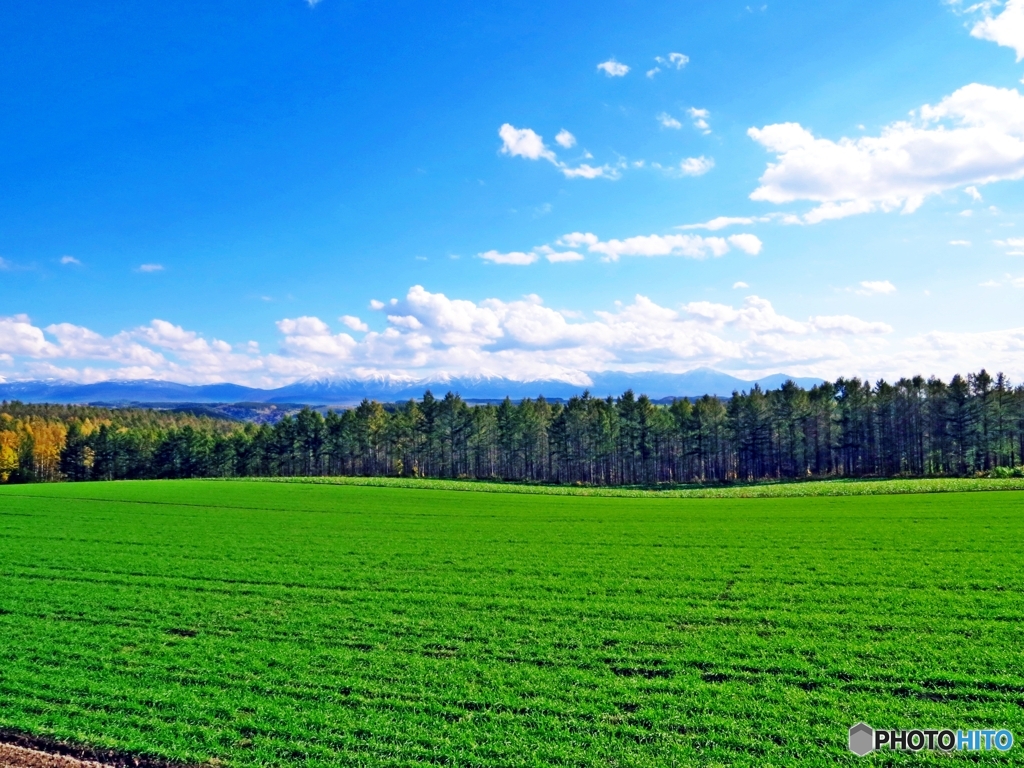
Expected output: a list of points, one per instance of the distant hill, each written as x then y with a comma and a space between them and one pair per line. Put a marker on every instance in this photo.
701, 381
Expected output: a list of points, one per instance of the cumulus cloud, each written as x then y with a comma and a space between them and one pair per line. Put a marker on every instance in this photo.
524, 142
18, 336
974, 194
433, 335
312, 336
158, 350
675, 60
1014, 244
974, 136
849, 324
528, 144
700, 119
966, 243
613, 68
721, 222
555, 257
69, 260
524, 258
151, 268
518, 258
1010, 280
667, 121
76, 341
696, 166
740, 284
690, 246
945, 352
750, 244
353, 322
672, 61
875, 287
1006, 29
585, 171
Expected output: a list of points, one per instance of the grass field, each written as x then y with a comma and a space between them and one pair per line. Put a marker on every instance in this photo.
756, 490
301, 624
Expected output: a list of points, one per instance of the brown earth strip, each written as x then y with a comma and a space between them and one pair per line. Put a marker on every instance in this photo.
21, 757
18, 750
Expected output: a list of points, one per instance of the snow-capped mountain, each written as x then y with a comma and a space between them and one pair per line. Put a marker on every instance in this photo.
344, 391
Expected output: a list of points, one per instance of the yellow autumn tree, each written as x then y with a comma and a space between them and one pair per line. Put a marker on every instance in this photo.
47, 443
10, 443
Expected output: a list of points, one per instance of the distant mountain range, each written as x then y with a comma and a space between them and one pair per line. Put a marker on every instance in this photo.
657, 386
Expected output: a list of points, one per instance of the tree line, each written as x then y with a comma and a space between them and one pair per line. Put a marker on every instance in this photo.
847, 428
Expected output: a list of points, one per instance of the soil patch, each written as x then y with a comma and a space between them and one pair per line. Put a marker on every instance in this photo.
18, 750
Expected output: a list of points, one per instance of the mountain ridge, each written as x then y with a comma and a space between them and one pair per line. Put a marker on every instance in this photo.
345, 391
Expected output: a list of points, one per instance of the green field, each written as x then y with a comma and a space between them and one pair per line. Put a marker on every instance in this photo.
300, 624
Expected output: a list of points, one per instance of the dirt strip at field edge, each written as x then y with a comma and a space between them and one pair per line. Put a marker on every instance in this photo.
18, 750
22, 757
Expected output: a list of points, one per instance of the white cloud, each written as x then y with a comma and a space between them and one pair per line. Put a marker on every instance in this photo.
677, 60
1015, 244
750, 244
565, 139
696, 166
353, 322
523, 258
578, 239
848, 324
700, 119
672, 61
78, 342
974, 194
555, 257
874, 287
584, 171
158, 350
740, 284
524, 142
1006, 29
19, 337
405, 321
1010, 280
613, 68
667, 121
514, 257
690, 246
69, 260
721, 222
151, 268
974, 136
432, 335
527, 143
311, 336
966, 243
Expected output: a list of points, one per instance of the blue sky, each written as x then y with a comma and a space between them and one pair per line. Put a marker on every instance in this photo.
262, 191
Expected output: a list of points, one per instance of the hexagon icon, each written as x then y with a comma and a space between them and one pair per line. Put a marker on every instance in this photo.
862, 739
